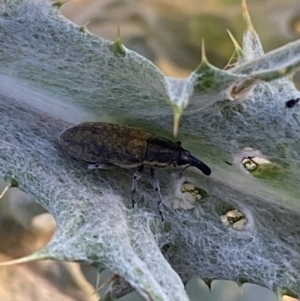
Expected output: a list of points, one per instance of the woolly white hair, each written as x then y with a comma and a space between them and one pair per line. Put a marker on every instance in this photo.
57, 74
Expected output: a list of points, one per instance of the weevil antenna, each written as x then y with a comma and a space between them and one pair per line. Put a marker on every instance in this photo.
181, 172
186, 168
200, 165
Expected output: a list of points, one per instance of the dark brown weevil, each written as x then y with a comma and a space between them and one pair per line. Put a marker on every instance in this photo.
104, 145
292, 102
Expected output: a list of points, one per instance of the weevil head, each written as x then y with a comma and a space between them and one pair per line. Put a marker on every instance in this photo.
185, 158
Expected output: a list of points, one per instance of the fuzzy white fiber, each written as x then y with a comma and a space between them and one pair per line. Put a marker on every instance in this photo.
54, 75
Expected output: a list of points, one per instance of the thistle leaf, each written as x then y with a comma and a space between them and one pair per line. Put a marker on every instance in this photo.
53, 76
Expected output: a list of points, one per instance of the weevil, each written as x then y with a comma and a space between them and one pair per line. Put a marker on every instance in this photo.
292, 102
105, 145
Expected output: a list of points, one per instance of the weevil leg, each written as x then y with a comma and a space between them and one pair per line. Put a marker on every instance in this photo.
100, 166
155, 184
181, 172
136, 176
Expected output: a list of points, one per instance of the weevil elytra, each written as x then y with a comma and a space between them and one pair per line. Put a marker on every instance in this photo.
104, 145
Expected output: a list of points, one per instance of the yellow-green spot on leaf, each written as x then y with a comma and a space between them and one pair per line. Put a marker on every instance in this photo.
241, 281
269, 171
58, 4
117, 46
11, 182
208, 76
83, 28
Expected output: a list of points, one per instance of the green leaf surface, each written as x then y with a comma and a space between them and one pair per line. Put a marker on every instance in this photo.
54, 75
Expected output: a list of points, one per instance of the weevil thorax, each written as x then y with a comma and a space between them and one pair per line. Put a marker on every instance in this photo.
183, 157
161, 152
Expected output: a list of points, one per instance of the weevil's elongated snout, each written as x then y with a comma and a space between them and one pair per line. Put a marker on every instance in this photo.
185, 158
200, 165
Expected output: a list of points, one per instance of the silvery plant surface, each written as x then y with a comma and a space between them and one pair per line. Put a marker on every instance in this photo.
55, 74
